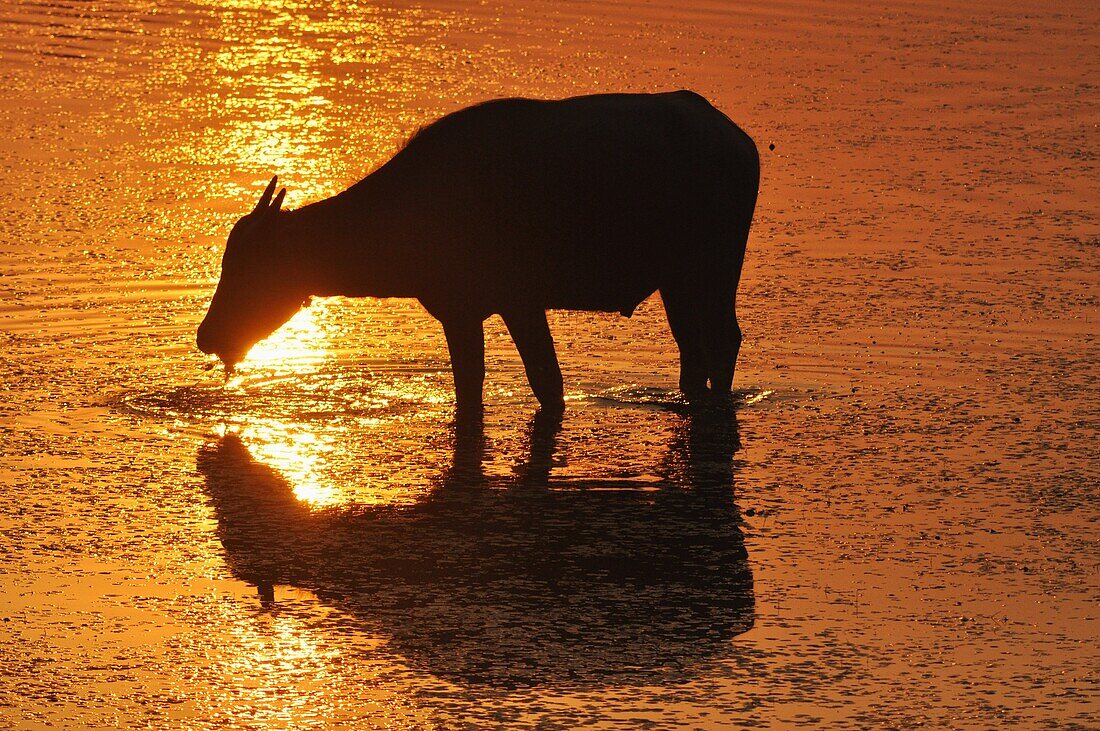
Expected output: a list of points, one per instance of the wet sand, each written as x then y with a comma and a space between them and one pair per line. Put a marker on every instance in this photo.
895, 527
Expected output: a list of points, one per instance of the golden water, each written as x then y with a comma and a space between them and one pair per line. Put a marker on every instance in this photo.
896, 526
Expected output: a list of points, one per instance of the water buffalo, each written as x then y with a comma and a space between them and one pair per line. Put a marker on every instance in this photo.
514, 207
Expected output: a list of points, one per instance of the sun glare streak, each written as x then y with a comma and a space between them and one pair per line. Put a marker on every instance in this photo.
278, 90
273, 654
301, 344
755, 398
299, 456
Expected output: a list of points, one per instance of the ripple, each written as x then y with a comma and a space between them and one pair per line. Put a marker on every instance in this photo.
634, 395
316, 398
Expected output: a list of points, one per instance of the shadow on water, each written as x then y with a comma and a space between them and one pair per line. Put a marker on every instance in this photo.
515, 581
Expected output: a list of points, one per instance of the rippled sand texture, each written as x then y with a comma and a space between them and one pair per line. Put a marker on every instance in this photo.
896, 526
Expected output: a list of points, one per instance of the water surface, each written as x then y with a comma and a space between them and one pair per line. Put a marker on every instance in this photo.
894, 524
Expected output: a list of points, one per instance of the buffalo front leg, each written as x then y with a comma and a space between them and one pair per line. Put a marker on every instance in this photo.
532, 337
466, 343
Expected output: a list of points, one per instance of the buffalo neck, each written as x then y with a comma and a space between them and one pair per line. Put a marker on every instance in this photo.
310, 240
336, 248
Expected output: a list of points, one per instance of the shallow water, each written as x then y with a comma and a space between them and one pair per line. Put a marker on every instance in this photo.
894, 523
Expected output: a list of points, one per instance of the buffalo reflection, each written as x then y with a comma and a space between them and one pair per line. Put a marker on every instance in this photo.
518, 581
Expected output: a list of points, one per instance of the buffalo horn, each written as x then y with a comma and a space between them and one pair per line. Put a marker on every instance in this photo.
265, 199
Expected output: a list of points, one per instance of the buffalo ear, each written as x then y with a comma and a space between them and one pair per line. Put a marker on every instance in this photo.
278, 201
265, 199
268, 214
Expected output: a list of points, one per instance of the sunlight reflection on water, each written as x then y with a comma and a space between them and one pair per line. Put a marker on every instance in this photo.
303, 344
298, 455
289, 78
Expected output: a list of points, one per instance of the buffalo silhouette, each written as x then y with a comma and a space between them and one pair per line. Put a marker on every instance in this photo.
514, 207
515, 581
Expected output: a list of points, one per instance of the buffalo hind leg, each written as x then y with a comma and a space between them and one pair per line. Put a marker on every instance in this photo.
532, 337
687, 328
466, 343
723, 331
723, 343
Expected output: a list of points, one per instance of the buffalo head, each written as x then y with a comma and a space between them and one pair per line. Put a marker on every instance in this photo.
255, 294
